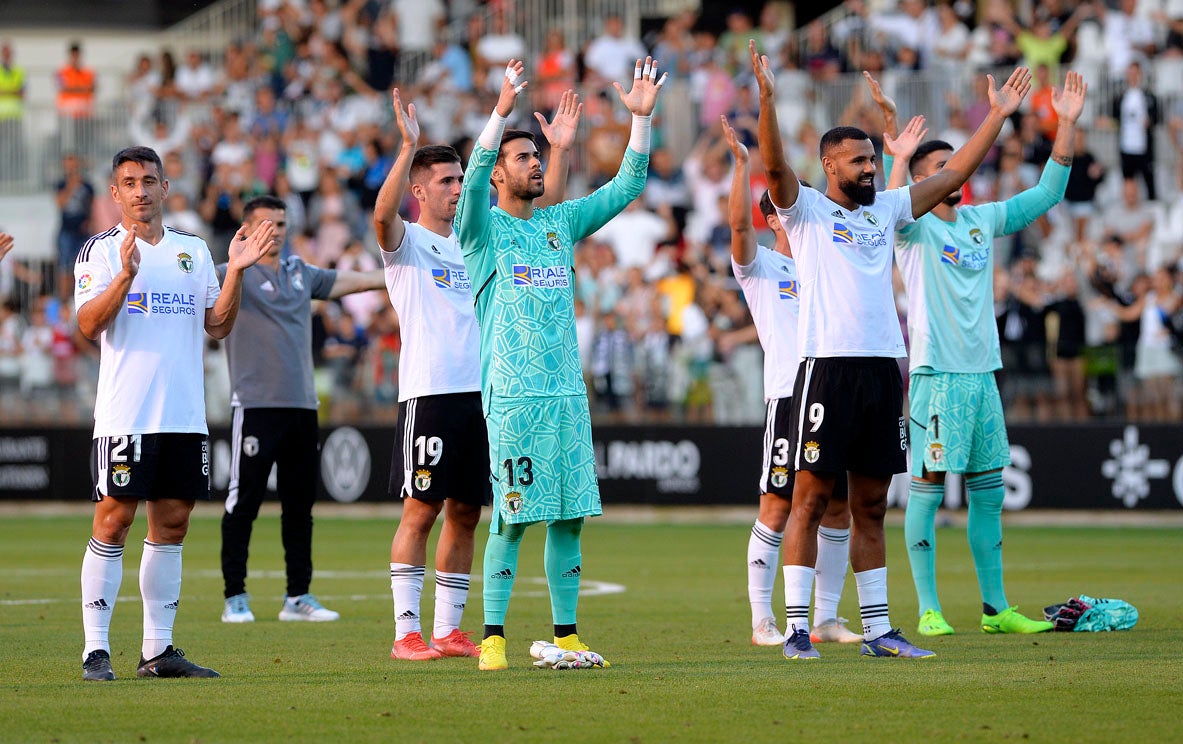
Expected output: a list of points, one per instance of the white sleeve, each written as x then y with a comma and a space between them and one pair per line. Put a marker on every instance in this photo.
213, 288
93, 275
903, 206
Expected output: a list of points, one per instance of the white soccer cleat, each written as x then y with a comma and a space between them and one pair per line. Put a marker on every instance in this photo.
767, 634
550, 656
306, 608
238, 609
834, 630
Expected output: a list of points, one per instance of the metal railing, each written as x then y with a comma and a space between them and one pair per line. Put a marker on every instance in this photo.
212, 29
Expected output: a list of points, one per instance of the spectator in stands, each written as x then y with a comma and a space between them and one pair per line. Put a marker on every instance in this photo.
1068, 361
1157, 366
1135, 113
418, 21
1084, 178
1129, 37
610, 55
37, 361
675, 43
64, 350
773, 32
195, 80
635, 233
12, 86
555, 71
74, 196
1131, 219
733, 42
708, 175
1043, 44
76, 86
12, 405
496, 48
334, 211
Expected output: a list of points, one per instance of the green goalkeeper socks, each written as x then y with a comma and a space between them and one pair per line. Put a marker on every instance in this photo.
985, 535
563, 559
501, 567
924, 499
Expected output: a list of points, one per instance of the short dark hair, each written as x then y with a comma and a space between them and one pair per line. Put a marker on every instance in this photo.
766, 207
430, 155
138, 154
266, 201
511, 135
924, 150
837, 136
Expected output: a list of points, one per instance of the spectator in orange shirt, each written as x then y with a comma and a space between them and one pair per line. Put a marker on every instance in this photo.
1041, 103
76, 86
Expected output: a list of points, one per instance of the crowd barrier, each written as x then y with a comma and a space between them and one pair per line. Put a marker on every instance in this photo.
1090, 466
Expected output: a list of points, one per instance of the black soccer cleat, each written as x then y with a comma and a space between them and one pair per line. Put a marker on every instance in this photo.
97, 667
172, 663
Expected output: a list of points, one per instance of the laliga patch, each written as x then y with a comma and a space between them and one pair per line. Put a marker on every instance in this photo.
422, 479
514, 502
85, 280
121, 475
185, 262
780, 476
813, 450
250, 446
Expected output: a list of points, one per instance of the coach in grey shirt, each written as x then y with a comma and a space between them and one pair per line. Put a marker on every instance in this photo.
275, 423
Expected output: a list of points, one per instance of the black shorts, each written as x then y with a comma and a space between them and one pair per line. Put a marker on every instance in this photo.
286, 438
776, 470
150, 466
441, 450
848, 416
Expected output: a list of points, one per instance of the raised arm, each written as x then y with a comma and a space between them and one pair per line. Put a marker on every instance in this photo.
594, 210
560, 133
472, 212
388, 223
886, 105
783, 185
961, 165
245, 252
898, 151
6, 242
1027, 206
739, 205
96, 314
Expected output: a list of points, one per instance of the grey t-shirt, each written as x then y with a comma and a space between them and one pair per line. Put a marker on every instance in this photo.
270, 348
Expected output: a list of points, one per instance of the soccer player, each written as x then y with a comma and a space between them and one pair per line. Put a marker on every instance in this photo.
957, 424
148, 292
768, 278
274, 422
443, 427
519, 259
848, 395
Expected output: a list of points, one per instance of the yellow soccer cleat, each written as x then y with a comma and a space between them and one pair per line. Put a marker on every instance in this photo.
492, 656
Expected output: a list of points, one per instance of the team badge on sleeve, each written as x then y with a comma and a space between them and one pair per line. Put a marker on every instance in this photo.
185, 262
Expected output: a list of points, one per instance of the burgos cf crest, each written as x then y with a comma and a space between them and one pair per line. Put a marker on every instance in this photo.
422, 479
780, 476
552, 240
976, 236
787, 289
514, 502
870, 218
936, 452
951, 255
842, 234
185, 262
812, 451
121, 475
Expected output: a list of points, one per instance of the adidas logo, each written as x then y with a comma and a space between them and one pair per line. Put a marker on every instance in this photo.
408, 615
572, 574
922, 545
998, 545
836, 213
172, 605
98, 604
458, 607
504, 574
758, 563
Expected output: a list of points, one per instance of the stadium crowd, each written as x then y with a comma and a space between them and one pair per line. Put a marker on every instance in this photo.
1088, 300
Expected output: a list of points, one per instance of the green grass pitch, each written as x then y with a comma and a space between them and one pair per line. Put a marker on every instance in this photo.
669, 611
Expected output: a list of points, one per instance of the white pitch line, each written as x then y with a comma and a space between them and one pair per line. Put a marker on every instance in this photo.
587, 588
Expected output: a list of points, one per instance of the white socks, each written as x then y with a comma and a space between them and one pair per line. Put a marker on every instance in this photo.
451, 594
872, 599
160, 588
798, 586
102, 573
406, 584
763, 558
833, 555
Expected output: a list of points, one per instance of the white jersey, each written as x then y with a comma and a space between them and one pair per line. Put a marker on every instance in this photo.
151, 377
844, 265
431, 292
769, 285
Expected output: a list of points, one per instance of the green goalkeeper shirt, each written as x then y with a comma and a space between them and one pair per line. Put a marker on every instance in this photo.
523, 279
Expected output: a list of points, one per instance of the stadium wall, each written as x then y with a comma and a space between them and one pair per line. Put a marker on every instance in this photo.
1094, 466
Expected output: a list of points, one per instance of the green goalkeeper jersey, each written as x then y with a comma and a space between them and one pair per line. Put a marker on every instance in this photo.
523, 279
